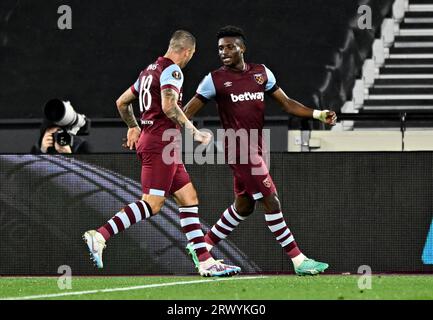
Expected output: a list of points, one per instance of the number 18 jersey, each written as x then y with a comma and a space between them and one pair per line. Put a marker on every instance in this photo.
160, 75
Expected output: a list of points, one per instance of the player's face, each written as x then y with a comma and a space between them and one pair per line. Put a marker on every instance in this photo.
231, 51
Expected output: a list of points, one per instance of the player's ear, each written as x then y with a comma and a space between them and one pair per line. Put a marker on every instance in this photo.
243, 48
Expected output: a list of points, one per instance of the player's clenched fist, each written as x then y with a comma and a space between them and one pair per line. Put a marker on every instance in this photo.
326, 116
203, 137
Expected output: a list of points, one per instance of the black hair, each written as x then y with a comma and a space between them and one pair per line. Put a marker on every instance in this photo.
231, 31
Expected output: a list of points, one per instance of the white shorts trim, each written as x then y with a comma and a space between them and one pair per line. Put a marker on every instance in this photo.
157, 192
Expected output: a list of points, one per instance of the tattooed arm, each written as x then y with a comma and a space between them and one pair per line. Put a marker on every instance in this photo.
172, 111
127, 114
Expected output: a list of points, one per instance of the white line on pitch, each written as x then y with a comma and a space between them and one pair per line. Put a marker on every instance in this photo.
147, 286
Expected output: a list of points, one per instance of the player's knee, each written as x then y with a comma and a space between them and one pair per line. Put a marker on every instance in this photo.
244, 209
187, 196
191, 200
271, 203
155, 203
156, 208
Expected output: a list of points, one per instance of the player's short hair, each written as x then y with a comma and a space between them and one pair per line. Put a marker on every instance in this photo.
182, 39
232, 31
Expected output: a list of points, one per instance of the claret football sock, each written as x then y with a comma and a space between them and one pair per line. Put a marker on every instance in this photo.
191, 227
229, 220
277, 225
125, 218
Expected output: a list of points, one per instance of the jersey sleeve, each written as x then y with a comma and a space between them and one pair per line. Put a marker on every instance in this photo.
172, 77
135, 88
206, 89
271, 84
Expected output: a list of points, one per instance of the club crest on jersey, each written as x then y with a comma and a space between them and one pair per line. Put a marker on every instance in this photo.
176, 75
267, 182
259, 78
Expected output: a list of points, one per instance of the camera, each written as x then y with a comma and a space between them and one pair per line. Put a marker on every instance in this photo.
63, 138
62, 114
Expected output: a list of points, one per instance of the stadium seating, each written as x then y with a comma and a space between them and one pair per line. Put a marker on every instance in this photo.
401, 78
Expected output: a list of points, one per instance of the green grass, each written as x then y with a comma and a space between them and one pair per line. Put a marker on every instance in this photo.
327, 287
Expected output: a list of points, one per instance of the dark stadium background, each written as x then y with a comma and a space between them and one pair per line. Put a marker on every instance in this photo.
314, 47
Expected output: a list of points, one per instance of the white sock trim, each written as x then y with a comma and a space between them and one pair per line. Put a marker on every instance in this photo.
288, 241
147, 213
223, 225
237, 214
274, 216
113, 226
188, 221
285, 233
189, 209
229, 218
217, 233
136, 211
199, 245
124, 218
194, 234
277, 227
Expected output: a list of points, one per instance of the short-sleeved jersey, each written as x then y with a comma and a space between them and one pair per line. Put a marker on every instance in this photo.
161, 74
240, 95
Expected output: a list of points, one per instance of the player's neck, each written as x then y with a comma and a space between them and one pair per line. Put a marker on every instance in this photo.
173, 57
240, 67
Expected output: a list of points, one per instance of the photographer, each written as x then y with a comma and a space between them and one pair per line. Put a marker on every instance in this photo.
47, 144
60, 130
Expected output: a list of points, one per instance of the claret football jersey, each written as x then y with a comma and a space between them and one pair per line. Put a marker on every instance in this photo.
240, 95
161, 74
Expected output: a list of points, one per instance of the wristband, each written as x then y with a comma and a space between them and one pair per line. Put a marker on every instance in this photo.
320, 115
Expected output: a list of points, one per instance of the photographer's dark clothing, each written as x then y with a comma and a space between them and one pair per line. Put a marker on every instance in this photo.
79, 145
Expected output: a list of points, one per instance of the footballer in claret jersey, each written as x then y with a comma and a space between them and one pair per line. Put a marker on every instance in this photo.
239, 89
159, 89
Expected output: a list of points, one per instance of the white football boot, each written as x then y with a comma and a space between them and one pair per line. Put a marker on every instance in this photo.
96, 244
215, 268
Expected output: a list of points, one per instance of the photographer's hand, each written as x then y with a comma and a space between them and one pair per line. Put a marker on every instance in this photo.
62, 149
48, 139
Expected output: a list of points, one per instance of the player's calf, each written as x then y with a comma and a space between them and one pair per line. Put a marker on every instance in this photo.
129, 215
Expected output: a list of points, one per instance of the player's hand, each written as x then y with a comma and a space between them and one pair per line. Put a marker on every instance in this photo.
203, 137
48, 139
326, 116
331, 118
132, 137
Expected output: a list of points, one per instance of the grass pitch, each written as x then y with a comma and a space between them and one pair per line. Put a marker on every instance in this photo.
322, 287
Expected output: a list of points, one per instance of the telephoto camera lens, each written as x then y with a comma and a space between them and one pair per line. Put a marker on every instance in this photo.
62, 114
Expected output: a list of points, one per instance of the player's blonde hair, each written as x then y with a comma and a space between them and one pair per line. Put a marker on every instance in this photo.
181, 39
